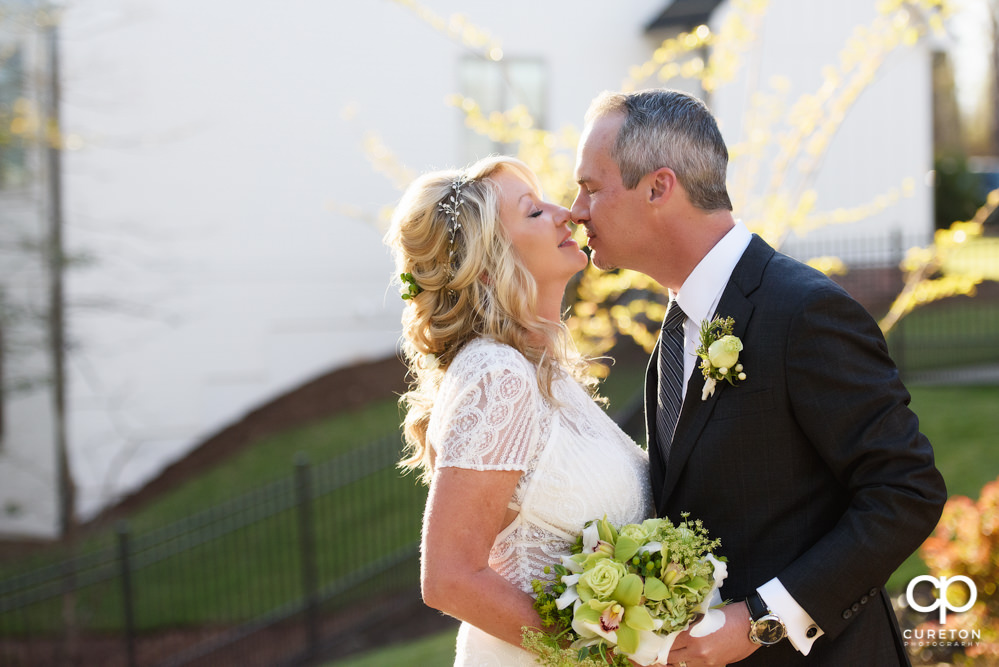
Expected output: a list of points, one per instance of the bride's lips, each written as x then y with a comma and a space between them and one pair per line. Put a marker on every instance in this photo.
566, 241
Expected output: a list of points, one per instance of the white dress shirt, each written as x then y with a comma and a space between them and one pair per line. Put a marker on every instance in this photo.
698, 297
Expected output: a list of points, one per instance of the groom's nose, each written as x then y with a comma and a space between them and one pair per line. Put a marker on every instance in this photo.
580, 211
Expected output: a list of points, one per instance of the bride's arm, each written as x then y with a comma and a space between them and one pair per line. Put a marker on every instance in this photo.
465, 511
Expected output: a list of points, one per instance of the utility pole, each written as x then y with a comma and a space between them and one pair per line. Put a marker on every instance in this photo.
57, 324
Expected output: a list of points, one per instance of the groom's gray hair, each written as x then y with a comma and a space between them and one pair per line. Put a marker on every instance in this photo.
668, 128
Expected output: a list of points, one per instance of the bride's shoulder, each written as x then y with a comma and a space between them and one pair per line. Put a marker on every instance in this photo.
486, 354
486, 362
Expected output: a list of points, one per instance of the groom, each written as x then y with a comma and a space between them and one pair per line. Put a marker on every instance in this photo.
812, 469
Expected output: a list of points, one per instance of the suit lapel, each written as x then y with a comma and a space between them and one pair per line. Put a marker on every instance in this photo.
694, 413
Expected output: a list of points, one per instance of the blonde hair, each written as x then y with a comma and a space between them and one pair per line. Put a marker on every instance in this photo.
476, 286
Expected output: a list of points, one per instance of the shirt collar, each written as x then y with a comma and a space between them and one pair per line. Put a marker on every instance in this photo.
701, 291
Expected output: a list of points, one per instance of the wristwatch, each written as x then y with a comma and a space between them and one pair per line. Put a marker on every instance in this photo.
765, 627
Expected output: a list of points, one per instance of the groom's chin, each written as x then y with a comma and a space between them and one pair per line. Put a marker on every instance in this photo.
601, 263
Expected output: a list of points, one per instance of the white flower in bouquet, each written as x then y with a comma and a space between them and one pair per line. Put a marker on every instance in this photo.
628, 590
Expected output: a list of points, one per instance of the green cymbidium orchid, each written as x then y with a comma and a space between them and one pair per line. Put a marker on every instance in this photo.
606, 531
619, 619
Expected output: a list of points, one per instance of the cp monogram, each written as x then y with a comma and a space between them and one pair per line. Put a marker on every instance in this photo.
942, 602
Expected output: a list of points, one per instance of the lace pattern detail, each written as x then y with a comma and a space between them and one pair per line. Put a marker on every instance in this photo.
492, 415
577, 464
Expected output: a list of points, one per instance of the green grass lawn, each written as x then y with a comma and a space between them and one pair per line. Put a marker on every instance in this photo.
433, 651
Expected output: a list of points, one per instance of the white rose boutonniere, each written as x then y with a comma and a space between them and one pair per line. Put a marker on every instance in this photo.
719, 352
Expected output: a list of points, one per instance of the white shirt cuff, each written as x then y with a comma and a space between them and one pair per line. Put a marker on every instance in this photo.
802, 631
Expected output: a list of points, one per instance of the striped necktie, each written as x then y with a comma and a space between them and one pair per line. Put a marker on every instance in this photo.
670, 378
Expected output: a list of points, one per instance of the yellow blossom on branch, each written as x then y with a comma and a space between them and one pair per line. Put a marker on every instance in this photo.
943, 269
458, 28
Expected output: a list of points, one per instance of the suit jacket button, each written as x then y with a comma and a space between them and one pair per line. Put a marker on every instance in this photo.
847, 614
855, 607
873, 592
811, 632
864, 599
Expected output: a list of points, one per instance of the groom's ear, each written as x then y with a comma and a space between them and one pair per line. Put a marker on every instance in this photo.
662, 184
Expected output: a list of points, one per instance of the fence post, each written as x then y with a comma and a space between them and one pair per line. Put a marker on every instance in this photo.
898, 332
126, 591
307, 548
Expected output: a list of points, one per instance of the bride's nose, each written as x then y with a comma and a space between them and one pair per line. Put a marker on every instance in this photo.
561, 216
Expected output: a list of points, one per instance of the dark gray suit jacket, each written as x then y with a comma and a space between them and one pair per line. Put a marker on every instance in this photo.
813, 469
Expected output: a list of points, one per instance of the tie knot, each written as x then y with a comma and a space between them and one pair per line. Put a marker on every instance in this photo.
674, 317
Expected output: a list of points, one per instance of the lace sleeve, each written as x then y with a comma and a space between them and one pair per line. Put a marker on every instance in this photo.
489, 409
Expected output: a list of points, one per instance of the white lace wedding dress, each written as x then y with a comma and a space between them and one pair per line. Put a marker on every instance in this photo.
577, 466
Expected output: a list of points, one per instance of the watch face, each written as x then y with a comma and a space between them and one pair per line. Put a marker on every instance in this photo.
768, 630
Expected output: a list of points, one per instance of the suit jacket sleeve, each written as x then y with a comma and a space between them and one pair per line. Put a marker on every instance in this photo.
846, 396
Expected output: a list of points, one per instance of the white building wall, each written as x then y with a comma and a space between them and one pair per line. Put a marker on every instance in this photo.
216, 136
885, 140
216, 142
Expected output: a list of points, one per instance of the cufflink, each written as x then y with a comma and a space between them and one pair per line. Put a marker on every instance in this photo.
811, 632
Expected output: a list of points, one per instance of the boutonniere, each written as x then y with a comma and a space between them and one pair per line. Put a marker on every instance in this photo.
719, 353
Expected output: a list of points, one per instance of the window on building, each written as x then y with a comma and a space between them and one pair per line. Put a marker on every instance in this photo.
500, 86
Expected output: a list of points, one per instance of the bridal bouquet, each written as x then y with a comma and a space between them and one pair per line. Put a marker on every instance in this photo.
631, 590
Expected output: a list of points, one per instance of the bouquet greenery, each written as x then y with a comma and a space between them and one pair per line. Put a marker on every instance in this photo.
626, 593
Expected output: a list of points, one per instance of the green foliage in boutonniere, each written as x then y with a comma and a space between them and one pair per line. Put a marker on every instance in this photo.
719, 352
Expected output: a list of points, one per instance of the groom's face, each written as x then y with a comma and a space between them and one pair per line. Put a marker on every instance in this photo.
603, 205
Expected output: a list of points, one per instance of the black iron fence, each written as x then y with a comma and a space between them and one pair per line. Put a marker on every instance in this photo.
952, 340
269, 578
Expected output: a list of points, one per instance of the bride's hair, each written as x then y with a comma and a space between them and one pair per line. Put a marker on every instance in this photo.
471, 283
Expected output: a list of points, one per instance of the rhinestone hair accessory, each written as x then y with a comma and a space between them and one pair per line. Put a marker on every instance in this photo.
452, 208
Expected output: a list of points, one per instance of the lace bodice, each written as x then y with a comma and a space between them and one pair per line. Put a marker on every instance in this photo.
577, 464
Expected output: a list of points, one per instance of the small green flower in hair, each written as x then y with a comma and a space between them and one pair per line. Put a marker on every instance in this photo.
409, 287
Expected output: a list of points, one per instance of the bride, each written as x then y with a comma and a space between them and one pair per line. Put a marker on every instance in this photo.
501, 420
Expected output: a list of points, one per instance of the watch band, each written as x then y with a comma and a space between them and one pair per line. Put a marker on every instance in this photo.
757, 607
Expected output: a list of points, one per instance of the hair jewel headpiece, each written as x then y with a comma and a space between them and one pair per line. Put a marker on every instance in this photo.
452, 207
